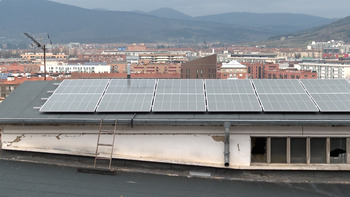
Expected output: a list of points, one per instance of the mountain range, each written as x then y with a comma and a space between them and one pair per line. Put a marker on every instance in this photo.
273, 22
67, 23
338, 30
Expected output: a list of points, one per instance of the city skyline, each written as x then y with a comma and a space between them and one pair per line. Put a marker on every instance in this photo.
334, 9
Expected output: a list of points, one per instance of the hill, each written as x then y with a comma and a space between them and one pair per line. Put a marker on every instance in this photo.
67, 23
170, 13
275, 23
339, 30
278, 23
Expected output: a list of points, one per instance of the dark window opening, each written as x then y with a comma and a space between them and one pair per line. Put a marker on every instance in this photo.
338, 150
259, 150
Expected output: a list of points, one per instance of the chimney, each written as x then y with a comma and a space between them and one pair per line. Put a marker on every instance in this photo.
128, 71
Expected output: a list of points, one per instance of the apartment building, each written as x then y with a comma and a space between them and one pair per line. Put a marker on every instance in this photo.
328, 70
102, 58
272, 71
233, 70
35, 56
202, 68
61, 67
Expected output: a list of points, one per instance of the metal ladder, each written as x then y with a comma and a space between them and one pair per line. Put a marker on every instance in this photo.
105, 132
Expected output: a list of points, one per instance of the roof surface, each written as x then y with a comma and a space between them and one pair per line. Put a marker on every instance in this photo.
19, 108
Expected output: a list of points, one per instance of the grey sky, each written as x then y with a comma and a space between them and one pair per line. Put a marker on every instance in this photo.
324, 8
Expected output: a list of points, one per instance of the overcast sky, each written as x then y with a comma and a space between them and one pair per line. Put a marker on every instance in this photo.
324, 8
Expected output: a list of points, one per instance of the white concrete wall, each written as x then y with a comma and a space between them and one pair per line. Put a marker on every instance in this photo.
240, 147
182, 149
196, 145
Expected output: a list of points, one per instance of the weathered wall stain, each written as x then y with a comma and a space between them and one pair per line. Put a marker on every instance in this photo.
18, 139
218, 138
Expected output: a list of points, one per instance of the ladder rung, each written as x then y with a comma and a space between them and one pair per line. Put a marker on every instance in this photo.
105, 144
107, 131
103, 158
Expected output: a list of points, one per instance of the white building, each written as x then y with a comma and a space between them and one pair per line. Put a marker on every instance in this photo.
234, 70
328, 71
61, 67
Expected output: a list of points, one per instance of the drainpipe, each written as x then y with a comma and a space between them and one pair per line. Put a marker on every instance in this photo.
227, 126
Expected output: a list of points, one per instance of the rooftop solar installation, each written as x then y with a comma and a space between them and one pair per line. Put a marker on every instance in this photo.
79, 95
128, 95
283, 95
191, 95
179, 95
326, 86
331, 95
287, 103
332, 102
231, 96
278, 86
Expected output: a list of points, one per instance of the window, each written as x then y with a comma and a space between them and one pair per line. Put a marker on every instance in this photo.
318, 150
337, 150
258, 154
298, 150
278, 150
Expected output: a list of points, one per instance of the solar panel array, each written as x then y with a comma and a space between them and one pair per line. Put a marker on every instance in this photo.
128, 96
331, 95
231, 96
190, 95
81, 95
283, 95
179, 95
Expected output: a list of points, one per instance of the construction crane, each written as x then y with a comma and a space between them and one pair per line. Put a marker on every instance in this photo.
42, 46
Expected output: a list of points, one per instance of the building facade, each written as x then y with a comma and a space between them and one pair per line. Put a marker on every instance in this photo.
103, 58
61, 67
236, 140
35, 56
272, 71
328, 70
233, 70
202, 68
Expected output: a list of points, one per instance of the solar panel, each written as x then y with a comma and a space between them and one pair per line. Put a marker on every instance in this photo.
287, 103
332, 102
326, 86
82, 86
179, 103
76, 95
71, 103
129, 86
180, 86
128, 95
125, 103
179, 95
231, 96
278, 86
218, 86
233, 102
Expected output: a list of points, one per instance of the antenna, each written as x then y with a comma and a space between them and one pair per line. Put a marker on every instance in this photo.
39, 42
